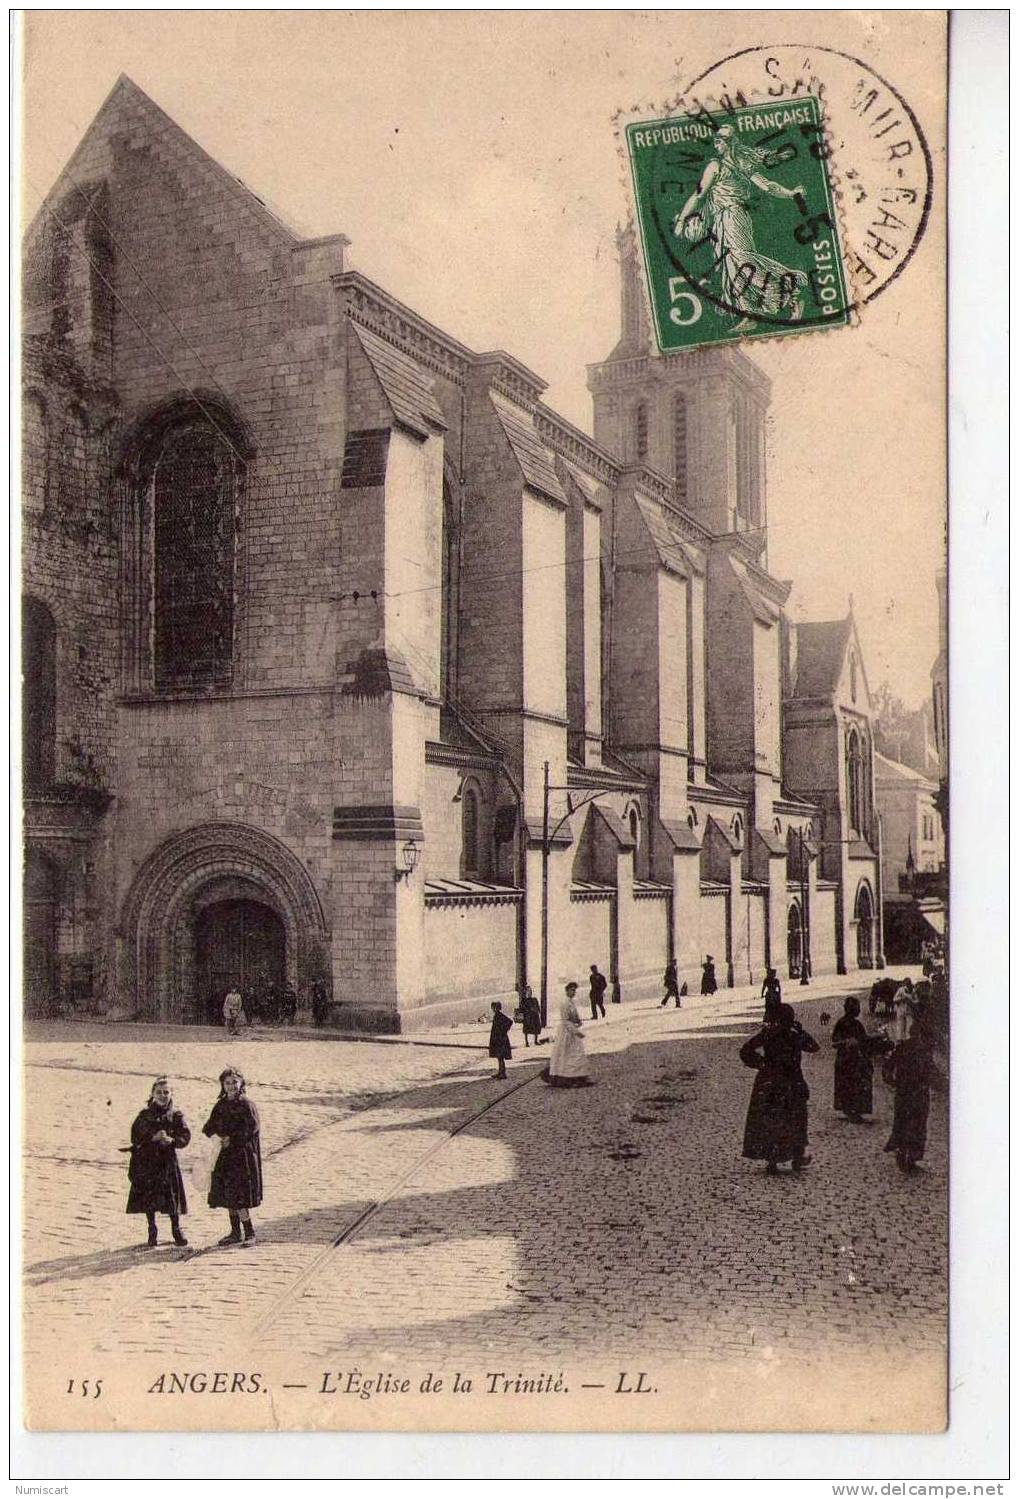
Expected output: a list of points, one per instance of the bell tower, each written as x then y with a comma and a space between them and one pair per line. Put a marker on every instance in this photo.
697, 417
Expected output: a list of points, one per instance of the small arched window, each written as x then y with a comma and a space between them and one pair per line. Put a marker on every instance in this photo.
193, 500
679, 445
470, 832
737, 828
634, 821
640, 432
38, 694
34, 452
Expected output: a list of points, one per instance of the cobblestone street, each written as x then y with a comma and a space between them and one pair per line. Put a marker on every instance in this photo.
415, 1208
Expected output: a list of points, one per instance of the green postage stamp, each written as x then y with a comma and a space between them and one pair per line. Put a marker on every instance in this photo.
738, 223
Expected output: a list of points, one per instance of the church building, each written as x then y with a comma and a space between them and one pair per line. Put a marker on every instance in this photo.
349, 662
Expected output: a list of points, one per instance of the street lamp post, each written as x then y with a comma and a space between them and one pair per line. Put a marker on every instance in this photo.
804, 921
544, 901
547, 835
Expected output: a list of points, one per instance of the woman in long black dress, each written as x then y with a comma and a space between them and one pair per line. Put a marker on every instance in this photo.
908, 1071
854, 1067
237, 1175
157, 1134
776, 1127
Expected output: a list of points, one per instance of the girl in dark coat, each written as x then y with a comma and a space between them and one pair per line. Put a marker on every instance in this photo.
854, 1069
776, 1128
237, 1175
908, 1071
530, 1016
498, 1039
157, 1134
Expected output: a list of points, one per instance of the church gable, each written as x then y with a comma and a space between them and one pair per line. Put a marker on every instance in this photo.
851, 689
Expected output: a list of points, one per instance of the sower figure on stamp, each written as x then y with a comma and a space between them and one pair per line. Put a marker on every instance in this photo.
237, 1175
498, 1038
599, 983
671, 982
720, 210
157, 1134
776, 1127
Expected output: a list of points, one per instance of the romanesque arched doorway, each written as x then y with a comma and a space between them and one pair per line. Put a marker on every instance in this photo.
239, 944
211, 905
864, 916
794, 941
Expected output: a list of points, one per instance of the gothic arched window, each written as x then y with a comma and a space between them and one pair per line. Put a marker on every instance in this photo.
470, 832
194, 484
854, 781
679, 458
852, 675
640, 432
38, 694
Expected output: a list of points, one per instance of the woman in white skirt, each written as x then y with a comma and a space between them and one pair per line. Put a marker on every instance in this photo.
567, 1066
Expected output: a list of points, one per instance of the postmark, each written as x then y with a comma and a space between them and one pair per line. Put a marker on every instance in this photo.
878, 173
738, 222
880, 167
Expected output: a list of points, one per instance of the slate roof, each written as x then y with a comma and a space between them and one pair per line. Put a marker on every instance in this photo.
405, 385
889, 771
772, 842
680, 834
672, 554
763, 608
820, 652
616, 826
533, 457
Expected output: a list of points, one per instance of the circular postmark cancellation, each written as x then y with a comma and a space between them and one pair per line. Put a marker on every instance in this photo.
784, 190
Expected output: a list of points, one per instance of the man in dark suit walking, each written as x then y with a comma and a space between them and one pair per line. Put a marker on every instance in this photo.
599, 983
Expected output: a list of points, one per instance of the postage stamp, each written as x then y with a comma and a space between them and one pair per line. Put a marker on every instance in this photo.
738, 223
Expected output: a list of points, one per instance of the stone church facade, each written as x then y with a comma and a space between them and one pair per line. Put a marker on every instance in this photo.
317, 600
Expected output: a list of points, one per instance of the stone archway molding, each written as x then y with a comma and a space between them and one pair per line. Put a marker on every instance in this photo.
155, 929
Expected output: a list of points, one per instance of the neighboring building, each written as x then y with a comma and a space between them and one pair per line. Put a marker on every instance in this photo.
913, 875
910, 740
912, 839
314, 594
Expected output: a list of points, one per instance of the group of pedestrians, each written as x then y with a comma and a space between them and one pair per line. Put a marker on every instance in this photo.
160, 1131
270, 1005
777, 1117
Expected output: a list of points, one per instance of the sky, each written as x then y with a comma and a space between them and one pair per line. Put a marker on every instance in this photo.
471, 160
